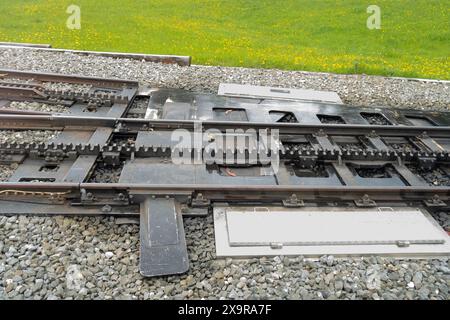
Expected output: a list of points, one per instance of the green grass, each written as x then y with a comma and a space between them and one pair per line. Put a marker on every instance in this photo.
319, 35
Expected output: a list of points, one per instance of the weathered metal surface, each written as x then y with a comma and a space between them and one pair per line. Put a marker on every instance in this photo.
14, 121
329, 155
163, 246
55, 77
261, 92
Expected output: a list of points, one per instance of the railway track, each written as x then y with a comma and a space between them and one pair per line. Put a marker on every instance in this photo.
157, 58
119, 144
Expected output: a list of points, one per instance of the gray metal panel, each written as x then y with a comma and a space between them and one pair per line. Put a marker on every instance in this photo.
83, 164
412, 179
176, 110
285, 176
73, 136
155, 138
163, 245
346, 175
140, 171
444, 143
260, 92
258, 108
149, 172
377, 143
31, 169
317, 231
80, 169
100, 136
431, 144
306, 117
116, 110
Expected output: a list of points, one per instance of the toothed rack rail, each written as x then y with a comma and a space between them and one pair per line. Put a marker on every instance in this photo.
329, 155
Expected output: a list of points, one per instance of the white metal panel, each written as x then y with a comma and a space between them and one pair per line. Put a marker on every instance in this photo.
315, 232
261, 92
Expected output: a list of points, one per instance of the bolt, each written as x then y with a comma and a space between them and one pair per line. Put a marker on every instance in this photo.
106, 208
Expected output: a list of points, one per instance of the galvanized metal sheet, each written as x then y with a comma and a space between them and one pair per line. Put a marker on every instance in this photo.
260, 92
314, 232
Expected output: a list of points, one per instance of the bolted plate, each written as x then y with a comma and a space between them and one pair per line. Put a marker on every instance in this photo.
250, 231
261, 92
163, 246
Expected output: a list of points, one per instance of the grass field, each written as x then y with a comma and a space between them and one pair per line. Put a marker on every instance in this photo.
319, 35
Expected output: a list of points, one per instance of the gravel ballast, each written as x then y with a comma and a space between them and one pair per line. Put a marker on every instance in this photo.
36, 106
353, 89
94, 257
27, 136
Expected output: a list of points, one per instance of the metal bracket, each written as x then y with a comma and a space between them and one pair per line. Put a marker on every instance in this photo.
435, 202
403, 243
427, 163
8, 159
372, 134
293, 202
111, 158
200, 201
308, 161
163, 245
365, 201
86, 197
320, 133
53, 156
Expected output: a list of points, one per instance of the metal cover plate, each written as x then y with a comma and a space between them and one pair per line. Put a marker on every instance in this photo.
163, 245
316, 231
260, 92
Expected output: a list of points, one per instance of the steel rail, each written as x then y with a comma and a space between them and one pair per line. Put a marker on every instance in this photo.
54, 77
345, 191
24, 45
258, 192
157, 58
24, 112
15, 121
